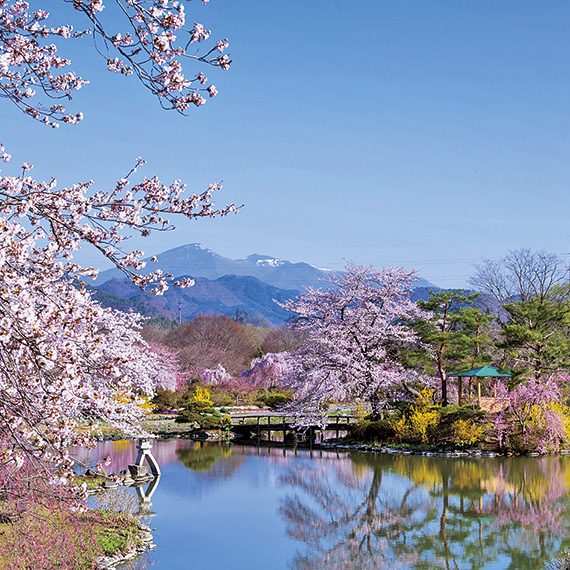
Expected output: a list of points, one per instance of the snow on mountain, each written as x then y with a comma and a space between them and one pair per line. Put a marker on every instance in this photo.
195, 260
223, 285
264, 260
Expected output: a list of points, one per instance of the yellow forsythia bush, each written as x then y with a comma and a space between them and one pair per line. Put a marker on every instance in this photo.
202, 397
466, 432
400, 428
420, 423
420, 420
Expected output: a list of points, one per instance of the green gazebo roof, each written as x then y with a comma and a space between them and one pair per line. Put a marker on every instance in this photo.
482, 372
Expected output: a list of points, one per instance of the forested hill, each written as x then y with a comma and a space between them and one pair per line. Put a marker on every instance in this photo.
232, 295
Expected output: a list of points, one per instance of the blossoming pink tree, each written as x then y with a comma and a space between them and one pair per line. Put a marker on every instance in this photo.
531, 417
215, 376
268, 371
353, 335
66, 362
169, 375
55, 342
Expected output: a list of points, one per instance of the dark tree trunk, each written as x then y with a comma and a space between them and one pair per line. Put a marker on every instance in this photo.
443, 377
376, 405
442, 374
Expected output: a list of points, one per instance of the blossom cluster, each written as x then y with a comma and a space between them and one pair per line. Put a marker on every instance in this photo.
153, 48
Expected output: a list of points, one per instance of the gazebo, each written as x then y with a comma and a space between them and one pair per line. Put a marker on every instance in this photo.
478, 373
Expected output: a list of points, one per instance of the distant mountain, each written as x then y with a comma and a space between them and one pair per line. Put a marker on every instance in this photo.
197, 261
223, 286
228, 295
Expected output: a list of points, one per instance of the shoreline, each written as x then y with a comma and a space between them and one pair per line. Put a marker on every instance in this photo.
145, 543
212, 436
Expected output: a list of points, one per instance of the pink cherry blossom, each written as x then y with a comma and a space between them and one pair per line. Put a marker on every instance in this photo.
267, 372
152, 47
215, 376
353, 335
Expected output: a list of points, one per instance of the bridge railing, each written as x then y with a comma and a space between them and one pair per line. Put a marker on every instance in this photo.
277, 418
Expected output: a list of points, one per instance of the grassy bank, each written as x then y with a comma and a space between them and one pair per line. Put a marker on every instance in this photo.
61, 540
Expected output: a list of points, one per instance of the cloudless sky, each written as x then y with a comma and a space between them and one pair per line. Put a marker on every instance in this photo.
422, 133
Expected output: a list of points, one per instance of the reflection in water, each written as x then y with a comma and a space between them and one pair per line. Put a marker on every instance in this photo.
145, 494
424, 512
124, 452
202, 457
328, 510
211, 461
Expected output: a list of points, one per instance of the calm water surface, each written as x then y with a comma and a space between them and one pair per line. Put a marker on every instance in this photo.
240, 507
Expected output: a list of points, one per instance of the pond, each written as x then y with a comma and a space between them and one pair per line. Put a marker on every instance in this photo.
219, 507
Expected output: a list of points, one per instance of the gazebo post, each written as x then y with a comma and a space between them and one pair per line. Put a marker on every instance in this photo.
460, 390
478, 391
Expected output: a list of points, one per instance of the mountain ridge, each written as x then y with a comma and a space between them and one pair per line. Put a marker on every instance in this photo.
246, 287
198, 261
230, 295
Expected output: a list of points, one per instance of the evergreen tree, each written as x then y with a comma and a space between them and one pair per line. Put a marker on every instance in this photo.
536, 336
458, 334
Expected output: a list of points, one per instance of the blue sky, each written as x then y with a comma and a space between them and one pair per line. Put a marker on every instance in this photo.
427, 134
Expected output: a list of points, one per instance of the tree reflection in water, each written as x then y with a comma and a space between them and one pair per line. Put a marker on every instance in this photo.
215, 460
428, 512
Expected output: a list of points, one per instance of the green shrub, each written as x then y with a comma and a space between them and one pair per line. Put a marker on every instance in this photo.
222, 398
199, 410
452, 413
214, 420
273, 398
373, 430
167, 400
111, 541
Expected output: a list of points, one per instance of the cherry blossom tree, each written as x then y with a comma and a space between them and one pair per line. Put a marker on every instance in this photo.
152, 45
215, 376
169, 376
66, 362
353, 334
55, 342
532, 416
268, 371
